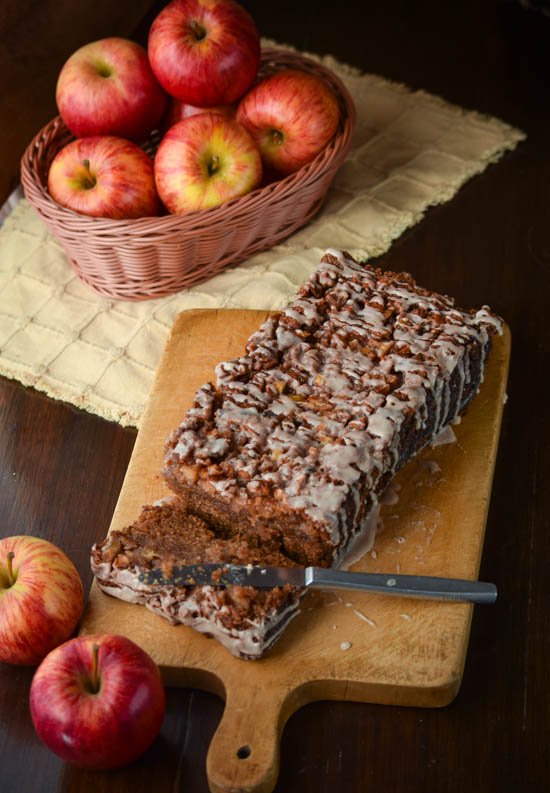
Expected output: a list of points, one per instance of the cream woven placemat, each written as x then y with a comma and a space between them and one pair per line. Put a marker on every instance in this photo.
411, 151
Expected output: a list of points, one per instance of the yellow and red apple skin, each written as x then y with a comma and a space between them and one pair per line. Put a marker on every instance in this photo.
107, 726
104, 176
204, 52
107, 87
41, 609
204, 161
291, 115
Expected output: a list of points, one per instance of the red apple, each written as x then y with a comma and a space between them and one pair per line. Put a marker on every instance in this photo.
291, 115
177, 111
41, 599
107, 88
104, 176
97, 701
204, 53
205, 161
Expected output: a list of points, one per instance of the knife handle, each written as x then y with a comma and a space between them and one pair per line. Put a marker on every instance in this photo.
415, 586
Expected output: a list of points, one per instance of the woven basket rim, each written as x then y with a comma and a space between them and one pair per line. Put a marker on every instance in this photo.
36, 191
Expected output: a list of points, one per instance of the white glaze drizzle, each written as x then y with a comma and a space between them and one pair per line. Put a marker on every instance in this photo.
318, 401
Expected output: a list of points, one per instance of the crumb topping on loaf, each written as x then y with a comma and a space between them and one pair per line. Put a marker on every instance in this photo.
282, 460
321, 397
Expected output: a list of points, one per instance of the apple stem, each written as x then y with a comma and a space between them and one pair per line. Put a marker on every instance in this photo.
199, 33
94, 679
277, 137
213, 164
11, 577
89, 180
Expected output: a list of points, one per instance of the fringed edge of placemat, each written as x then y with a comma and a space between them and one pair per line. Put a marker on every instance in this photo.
125, 416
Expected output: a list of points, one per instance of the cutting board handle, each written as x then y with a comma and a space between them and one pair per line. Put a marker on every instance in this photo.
244, 753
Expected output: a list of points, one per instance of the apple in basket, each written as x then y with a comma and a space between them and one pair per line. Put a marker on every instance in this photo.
98, 701
41, 599
292, 116
107, 88
202, 53
204, 161
177, 111
104, 176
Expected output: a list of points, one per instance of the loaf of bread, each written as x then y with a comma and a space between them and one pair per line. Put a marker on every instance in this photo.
289, 452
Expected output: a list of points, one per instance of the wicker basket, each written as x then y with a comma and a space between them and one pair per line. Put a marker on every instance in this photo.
151, 257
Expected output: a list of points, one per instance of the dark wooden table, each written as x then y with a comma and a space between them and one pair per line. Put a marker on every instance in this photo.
61, 469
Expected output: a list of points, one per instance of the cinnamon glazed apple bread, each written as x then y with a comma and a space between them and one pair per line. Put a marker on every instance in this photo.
284, 458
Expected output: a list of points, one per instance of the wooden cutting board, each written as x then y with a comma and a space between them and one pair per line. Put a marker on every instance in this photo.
348, 646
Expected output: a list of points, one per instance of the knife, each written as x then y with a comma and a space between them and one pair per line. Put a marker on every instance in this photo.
223, 575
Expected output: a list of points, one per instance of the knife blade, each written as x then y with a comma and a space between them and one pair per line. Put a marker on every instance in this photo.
223, 575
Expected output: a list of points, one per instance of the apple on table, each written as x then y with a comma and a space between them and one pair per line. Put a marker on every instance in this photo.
204, 161
41, 599
204, 54
104, 176
97, 701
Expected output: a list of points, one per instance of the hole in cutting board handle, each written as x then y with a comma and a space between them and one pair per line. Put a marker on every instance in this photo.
244, 752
